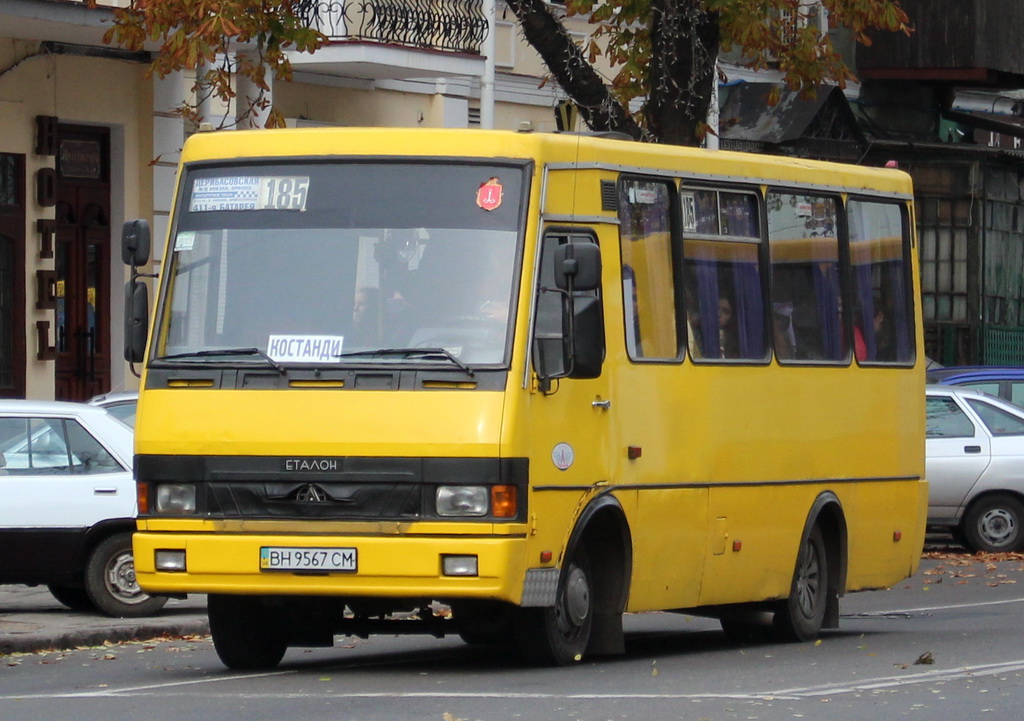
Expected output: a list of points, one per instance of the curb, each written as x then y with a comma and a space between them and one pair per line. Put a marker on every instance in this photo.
36, 641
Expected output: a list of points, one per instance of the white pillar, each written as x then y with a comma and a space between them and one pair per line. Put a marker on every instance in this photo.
168, 136
205, 106
247, 94
711, 139
487, 82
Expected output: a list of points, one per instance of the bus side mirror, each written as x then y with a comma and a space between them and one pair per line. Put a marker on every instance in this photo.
587, 338
135, 243
578, 266
136, 320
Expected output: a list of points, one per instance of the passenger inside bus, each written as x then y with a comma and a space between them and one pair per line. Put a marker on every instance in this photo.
728, 337
782, 328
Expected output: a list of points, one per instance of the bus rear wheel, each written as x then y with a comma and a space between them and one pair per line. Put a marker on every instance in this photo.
801, 615
558, 636
246, 635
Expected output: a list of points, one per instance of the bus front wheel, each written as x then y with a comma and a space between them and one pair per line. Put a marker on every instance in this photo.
246, 635
801, 615
559, 635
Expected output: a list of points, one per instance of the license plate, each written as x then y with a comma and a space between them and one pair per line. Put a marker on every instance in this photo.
284, 558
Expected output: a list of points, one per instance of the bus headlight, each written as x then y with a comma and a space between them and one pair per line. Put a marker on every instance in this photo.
462, 500
176, 498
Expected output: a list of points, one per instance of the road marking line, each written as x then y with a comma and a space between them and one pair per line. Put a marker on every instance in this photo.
828, 689
925, 609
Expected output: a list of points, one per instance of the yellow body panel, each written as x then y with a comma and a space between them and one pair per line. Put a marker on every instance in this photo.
732, 457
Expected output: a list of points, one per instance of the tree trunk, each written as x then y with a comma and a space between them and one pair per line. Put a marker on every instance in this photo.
598, 108
684, 49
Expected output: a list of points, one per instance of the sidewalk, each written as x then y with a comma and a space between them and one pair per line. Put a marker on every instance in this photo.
32, 620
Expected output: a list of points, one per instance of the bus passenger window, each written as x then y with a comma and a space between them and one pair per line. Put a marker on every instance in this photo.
722, 293
882, 321
648, 280
803, 246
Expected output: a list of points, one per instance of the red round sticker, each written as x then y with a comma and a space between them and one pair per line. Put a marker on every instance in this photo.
488, 196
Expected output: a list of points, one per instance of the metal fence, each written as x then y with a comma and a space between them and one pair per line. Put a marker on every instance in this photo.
450, 25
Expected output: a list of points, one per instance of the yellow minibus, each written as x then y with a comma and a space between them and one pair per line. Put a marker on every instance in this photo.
514, 385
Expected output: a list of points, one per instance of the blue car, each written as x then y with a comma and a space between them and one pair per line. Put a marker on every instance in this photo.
1006, 382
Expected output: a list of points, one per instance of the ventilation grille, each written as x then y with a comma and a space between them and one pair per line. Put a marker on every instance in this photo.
609, 196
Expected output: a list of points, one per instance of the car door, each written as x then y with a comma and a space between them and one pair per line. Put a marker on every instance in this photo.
57, 481
1006, 427
958, 452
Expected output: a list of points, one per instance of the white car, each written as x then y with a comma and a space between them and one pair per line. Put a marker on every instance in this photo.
975, 468
120, 404
68, 506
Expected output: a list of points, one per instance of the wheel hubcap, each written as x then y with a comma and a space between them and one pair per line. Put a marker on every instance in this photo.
998, 527
575, 606
120, 579
808, 583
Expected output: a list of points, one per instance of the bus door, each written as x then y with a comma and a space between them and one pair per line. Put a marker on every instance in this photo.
654, 415
569, 416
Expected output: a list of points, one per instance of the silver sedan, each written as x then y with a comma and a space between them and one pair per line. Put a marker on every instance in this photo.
975, 468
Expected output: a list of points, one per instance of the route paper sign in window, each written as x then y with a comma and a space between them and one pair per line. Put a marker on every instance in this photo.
249, 193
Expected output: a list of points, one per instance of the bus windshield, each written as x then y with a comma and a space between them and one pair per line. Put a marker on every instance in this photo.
335, 263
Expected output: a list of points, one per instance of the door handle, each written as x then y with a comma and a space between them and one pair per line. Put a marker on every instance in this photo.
972, 449
104, 491
604, 405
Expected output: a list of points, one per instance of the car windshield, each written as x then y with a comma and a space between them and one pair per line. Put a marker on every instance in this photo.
324, 263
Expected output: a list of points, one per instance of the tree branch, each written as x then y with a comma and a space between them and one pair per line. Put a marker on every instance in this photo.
598, 108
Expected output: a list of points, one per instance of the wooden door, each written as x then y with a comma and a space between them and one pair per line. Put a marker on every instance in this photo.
82, 262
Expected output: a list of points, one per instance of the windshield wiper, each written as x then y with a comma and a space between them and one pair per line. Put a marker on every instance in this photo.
212, 352
407, 352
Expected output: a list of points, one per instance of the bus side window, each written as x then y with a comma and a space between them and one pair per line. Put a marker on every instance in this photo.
803, 246
722, 291
648, 270
882, 321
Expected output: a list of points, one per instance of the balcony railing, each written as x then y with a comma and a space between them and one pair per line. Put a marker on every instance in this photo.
451, 25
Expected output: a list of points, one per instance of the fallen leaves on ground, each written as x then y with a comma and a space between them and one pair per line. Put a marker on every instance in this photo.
991, 568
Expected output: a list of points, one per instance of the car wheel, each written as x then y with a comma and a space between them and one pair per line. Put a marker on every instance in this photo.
800, 617
73, 597
994, 524
110, 581
558, 636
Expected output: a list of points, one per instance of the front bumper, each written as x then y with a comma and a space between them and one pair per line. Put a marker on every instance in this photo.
388, 566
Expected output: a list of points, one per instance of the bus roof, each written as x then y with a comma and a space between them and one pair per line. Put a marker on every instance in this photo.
553, 149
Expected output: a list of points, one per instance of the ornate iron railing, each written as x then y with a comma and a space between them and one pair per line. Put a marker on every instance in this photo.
452, 25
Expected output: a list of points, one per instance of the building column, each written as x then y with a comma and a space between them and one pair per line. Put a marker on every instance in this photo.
168, 136
248, 96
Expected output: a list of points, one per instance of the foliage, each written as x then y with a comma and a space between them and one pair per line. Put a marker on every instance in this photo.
207, 34
634, 35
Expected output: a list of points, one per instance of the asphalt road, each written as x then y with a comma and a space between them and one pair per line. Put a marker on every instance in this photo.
945, 644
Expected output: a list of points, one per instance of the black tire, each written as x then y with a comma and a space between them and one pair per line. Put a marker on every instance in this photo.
73, 597
994, 524
246, 634
801, 615
743, 631
110, 581
558, 636
484, 623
